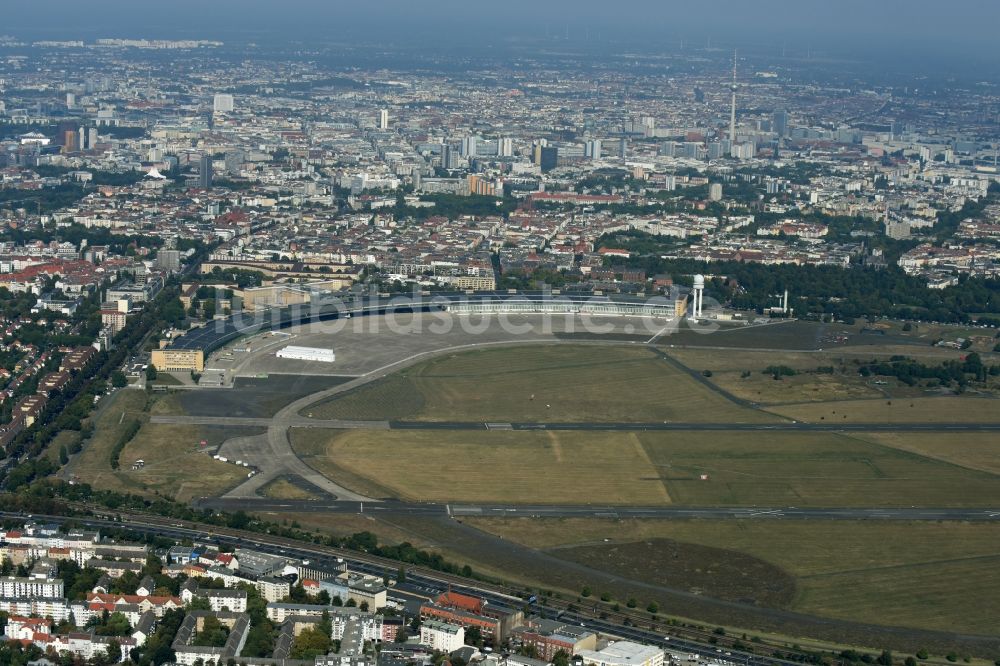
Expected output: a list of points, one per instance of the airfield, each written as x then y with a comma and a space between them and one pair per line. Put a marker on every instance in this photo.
518, 442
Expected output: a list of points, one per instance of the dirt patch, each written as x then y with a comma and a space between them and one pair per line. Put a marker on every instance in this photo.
715, 572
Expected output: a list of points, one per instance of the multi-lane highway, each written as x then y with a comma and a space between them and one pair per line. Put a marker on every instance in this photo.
422, 580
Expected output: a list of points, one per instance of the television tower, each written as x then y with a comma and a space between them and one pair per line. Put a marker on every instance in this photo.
732, 112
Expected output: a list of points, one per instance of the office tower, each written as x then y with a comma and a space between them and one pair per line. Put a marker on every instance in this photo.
548, 158
715, 150
779, 123
70, 139
622, 147
92, 138
383, 119
223, 104
205, 172
505, 147
70, 100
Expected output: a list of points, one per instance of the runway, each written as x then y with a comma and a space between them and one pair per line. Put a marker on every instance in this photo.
302, 422
587, 511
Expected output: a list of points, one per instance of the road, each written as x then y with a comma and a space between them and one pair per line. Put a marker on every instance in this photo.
288, 418
261, 504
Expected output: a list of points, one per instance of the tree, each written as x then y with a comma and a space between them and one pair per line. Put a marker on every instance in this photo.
114, 652
118, 379
311, 643
401, 575
653, 607
151, 373
560, 658
922, 653
474, 636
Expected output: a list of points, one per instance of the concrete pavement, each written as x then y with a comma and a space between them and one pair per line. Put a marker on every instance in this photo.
589, 511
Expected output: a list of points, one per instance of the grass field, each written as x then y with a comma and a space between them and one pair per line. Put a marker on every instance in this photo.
906, 410
729, 373
768, 469
717, 572
65, 438
175, 465
542, 383
908, 574
977, 451
285, 489
487, 466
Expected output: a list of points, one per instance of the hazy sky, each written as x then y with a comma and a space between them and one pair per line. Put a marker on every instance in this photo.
924, 29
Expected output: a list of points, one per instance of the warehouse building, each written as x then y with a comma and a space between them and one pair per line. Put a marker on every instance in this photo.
307, 354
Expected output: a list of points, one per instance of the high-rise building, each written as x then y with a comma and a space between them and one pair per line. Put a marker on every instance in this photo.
548, 158
505, 147
205, 172
779, 123
715, 192
234, 162
592, 149
622, 148
743, 151
82, 140
223, 104
70, 100
70, 141
92, 138
447, 156
469, 146
383, 119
